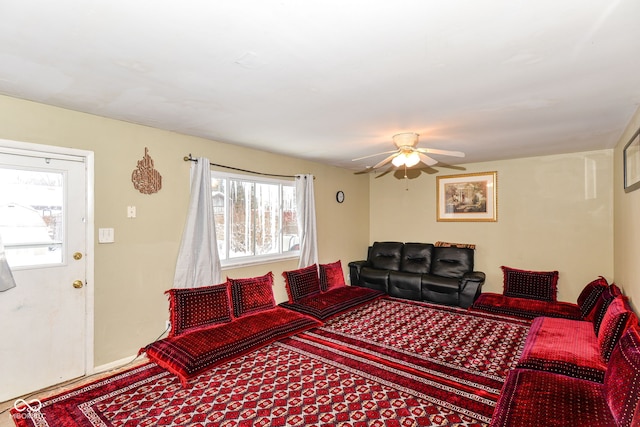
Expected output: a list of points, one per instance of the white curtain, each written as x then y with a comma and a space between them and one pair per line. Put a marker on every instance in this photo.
198, 260
6, 277
306, 214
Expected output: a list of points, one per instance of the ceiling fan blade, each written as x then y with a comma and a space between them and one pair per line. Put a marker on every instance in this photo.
385, 161
380, 174
368, 169
426, 159
443, 152
373, 155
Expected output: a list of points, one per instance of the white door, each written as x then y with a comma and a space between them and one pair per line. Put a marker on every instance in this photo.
42, 223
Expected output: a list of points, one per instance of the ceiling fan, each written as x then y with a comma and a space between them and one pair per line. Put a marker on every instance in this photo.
407, 154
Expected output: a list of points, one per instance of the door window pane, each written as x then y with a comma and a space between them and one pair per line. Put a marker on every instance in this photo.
31, 216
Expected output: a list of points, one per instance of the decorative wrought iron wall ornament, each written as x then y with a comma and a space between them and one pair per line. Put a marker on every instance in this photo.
145, 178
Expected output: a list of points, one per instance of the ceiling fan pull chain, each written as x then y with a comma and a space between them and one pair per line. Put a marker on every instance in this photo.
406, 178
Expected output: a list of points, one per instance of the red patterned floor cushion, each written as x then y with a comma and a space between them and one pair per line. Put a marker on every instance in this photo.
542, 399
331, 276
252, 294
540, 285
622, 381
563, 346
334, 302
194, 308
190, 354
524, 307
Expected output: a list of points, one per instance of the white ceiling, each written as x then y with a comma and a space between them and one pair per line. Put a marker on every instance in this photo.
332, 80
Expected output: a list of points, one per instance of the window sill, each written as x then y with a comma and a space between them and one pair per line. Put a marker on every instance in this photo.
252, 261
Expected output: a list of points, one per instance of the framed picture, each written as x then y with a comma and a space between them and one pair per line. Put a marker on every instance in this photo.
631, 155
468, 197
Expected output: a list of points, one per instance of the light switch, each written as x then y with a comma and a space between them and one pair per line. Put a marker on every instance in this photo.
106, 235
131, 211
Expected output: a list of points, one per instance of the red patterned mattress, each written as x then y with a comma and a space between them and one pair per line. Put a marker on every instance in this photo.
191, 354
331, 303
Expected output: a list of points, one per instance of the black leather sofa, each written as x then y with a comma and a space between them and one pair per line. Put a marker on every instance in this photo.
420, 271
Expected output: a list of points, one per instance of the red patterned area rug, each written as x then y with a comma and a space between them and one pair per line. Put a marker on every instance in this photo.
450, 357
389, 363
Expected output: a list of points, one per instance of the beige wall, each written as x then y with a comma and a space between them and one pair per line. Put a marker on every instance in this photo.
627, 223
132, 274
554, 213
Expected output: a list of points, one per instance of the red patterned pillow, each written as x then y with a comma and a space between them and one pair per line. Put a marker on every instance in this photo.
540, 285
590, 294
302, 283
600, 308
331, 276
617, 319
621, 379
252, 295
194, 308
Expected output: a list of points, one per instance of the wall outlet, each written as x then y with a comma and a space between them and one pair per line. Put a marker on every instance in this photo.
167, 325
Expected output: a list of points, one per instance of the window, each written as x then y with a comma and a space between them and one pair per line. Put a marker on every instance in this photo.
255, 219
31, 216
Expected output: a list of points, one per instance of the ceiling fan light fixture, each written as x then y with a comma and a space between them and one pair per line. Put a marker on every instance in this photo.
412, 159
399, 160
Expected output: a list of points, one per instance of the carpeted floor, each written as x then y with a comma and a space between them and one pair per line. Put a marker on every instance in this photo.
390, 362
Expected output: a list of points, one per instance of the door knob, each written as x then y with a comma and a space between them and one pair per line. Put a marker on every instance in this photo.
78, 284
77, 256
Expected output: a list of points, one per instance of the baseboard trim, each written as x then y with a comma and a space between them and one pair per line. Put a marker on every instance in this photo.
113, 365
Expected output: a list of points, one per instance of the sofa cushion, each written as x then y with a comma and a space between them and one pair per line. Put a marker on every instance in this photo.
622, 380
331, 276
544, 399
440, 284
405, 285
615, 322
562, 346
600, 308
386, 255
374, 278
194, 308
416, 258
525, 307
250, 295
302, 282
541, 285
451, 262
590, 294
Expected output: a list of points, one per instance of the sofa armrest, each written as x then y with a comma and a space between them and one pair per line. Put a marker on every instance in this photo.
354, 271
472, 277
471, 287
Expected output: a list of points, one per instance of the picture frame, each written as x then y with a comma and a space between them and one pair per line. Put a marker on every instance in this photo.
467, 197
631, 158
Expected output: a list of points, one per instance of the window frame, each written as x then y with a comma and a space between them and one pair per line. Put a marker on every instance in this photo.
250, 260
